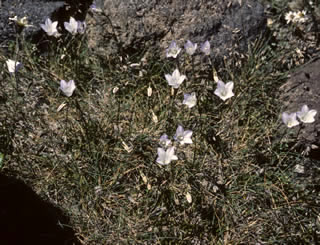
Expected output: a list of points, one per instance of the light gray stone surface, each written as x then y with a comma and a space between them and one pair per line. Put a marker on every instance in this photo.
303, 88
36, 12
130, 26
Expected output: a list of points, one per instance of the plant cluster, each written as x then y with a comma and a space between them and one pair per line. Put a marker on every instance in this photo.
144, 150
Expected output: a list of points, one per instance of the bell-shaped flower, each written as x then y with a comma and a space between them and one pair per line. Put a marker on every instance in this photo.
224, 91
71, 26
306, 115
166, 156
183, 137
175, 79
13, 65
67, 87
205, 48
190, 47
164, 141
190, 100
173, 50
50, 27
290, 119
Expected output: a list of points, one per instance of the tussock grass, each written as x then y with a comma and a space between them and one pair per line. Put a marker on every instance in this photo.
96, 157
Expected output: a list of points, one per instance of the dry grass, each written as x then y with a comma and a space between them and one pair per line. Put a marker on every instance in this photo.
96, 157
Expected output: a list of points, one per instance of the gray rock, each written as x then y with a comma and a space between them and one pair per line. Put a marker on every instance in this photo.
133, 25
303, 88
36, 12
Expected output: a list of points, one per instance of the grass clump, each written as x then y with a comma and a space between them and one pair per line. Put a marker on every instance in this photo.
94, 153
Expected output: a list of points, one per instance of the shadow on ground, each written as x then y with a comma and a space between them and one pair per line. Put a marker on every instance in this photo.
27, 219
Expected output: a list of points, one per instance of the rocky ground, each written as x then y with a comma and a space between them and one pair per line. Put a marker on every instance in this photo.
245, 179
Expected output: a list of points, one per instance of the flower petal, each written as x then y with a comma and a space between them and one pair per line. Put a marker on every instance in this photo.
176, 73
229, 85
290, 119
187, 133
161, 156
179, 130
55, 24
171, 155
168, 77
182, 78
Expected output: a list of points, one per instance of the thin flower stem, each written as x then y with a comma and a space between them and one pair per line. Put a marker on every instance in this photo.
67, 120
173, 98
133, 113
16, 59
282, 136
78, 60
195, 143
200, 122
292, 147
299, 130
147, 114
118, 119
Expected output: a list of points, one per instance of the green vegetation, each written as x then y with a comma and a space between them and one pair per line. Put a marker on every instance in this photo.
94, 154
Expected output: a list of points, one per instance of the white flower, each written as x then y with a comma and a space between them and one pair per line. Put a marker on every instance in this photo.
306, 115
290, 17
21, 22
165, 157
81, 26
184, 137
300, 16
50, 28
296, 17
71, 26
205, 48
15, 19
164, 141
290, 119
190, 47
175, 79
224, 91
67, 87
173, 50
190, 100
13, 65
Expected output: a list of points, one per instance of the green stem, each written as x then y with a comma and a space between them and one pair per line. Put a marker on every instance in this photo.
171, 107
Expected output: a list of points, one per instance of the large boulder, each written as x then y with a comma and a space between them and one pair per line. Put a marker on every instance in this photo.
25, 218
131, 26
303, 88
